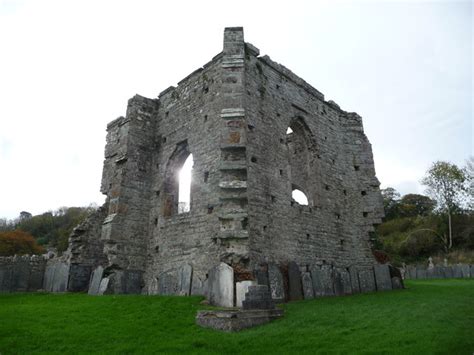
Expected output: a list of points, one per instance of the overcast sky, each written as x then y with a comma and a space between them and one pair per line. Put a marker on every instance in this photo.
67, 68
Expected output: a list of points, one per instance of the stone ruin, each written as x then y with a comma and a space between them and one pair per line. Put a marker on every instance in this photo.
256, 133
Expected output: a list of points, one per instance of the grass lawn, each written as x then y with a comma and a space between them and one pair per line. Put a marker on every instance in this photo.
430, 316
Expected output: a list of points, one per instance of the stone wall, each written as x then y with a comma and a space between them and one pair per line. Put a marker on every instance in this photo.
438, 271
22, 273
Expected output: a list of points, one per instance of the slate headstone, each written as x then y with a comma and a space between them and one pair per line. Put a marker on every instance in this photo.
132, 282
197, 286
153, 286
275, 280
20, 275
465, 270
323, 280
103, 287
49, 277
96, 278
294, 282
79, 277
5, 278
343, 280
354, 279
241, 288
221, 286
261, 275
185, 274
307, 282
61, 277
367, 280
383, 280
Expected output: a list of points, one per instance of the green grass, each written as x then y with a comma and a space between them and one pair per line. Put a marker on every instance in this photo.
431, 316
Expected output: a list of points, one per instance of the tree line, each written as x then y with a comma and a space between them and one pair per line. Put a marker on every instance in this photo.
29, 234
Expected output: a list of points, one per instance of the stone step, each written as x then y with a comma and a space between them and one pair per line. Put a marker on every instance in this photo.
233, 165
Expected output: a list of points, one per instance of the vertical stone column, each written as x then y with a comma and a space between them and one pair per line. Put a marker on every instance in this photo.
233, 216
127, 182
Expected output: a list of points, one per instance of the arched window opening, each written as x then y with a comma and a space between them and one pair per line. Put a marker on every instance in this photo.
184, 189
289, 130
300, 197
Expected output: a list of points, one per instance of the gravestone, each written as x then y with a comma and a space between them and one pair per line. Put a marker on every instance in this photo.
36, 277
49, 277
354, 275
5, 278
294, 282
197, 286
168, 283
465, 270
20, 275
79, 277
221, 286
258, 297
307, 282
397, 283
153, 287
457, 271
275, 280
261, 275
241, 288
323, 280
96, 278
103, 287
342, 282
131, 282
383, 280
448, 272
420, 273
438, 272
472, 271
185, 274
61, 277
367, 280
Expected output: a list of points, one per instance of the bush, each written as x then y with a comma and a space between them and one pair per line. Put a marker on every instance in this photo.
18, 242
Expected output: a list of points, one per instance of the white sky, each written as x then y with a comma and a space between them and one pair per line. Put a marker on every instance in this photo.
67, 68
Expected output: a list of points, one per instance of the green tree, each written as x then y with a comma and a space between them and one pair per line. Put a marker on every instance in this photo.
391, 199
412, 205
445, 183
18, 242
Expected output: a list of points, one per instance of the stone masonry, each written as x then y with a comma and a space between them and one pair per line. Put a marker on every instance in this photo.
233, 116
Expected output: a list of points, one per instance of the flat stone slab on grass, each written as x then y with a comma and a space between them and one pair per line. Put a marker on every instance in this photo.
235, 320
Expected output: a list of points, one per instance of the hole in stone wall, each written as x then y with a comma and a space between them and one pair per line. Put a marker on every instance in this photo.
326, 187
184, 199
210, 209
206, 176
282, 141
341, 243
365, 214
289, 130
278, 115
264, 228
281, 172
167, 113
205, 90
157, 193
278, 87
205, 118
273, 198
251, 127
307, 236
356, 167
156, 221
164, 139
363, 193
253, 160
244, 223
300, 197
157, 249
338, 216
344, 192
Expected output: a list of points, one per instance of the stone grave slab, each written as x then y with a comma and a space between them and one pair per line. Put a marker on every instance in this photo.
367, 280
275, 280
79, 277
307, 282
294, 282
50, 270
96, 277
221, 286
354, 275
168, 283
185, 274
20, 275
241, 288
342, 282
465, 270
197, 286
383, 280
103, 286
5, 278
61, 277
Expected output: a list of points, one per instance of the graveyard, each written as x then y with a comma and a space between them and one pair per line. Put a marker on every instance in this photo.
429, 316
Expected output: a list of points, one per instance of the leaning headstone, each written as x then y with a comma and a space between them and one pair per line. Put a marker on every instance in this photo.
354, 275
49, 277
294, 282
457, 269
185, 274
221, 286
103, 287
465, 270
383, 280
342, 282
307, 282
275, 280
367, 280
95, 280
241, 288
397, 283
5, 278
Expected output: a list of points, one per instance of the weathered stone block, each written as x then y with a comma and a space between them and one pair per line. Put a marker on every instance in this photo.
367, 280
383, 280
221, 286
232, 321
79, 277
294, 282
275, 280
323, 280
61, 277
342, 282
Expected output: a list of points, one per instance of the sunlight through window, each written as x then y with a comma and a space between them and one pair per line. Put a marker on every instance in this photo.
299, 197
184, 200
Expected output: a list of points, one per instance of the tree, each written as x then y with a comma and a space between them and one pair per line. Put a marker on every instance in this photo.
391, 198
413, 205
18, 242
446, 184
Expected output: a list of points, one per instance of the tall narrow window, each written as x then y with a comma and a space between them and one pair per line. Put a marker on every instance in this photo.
184, 200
